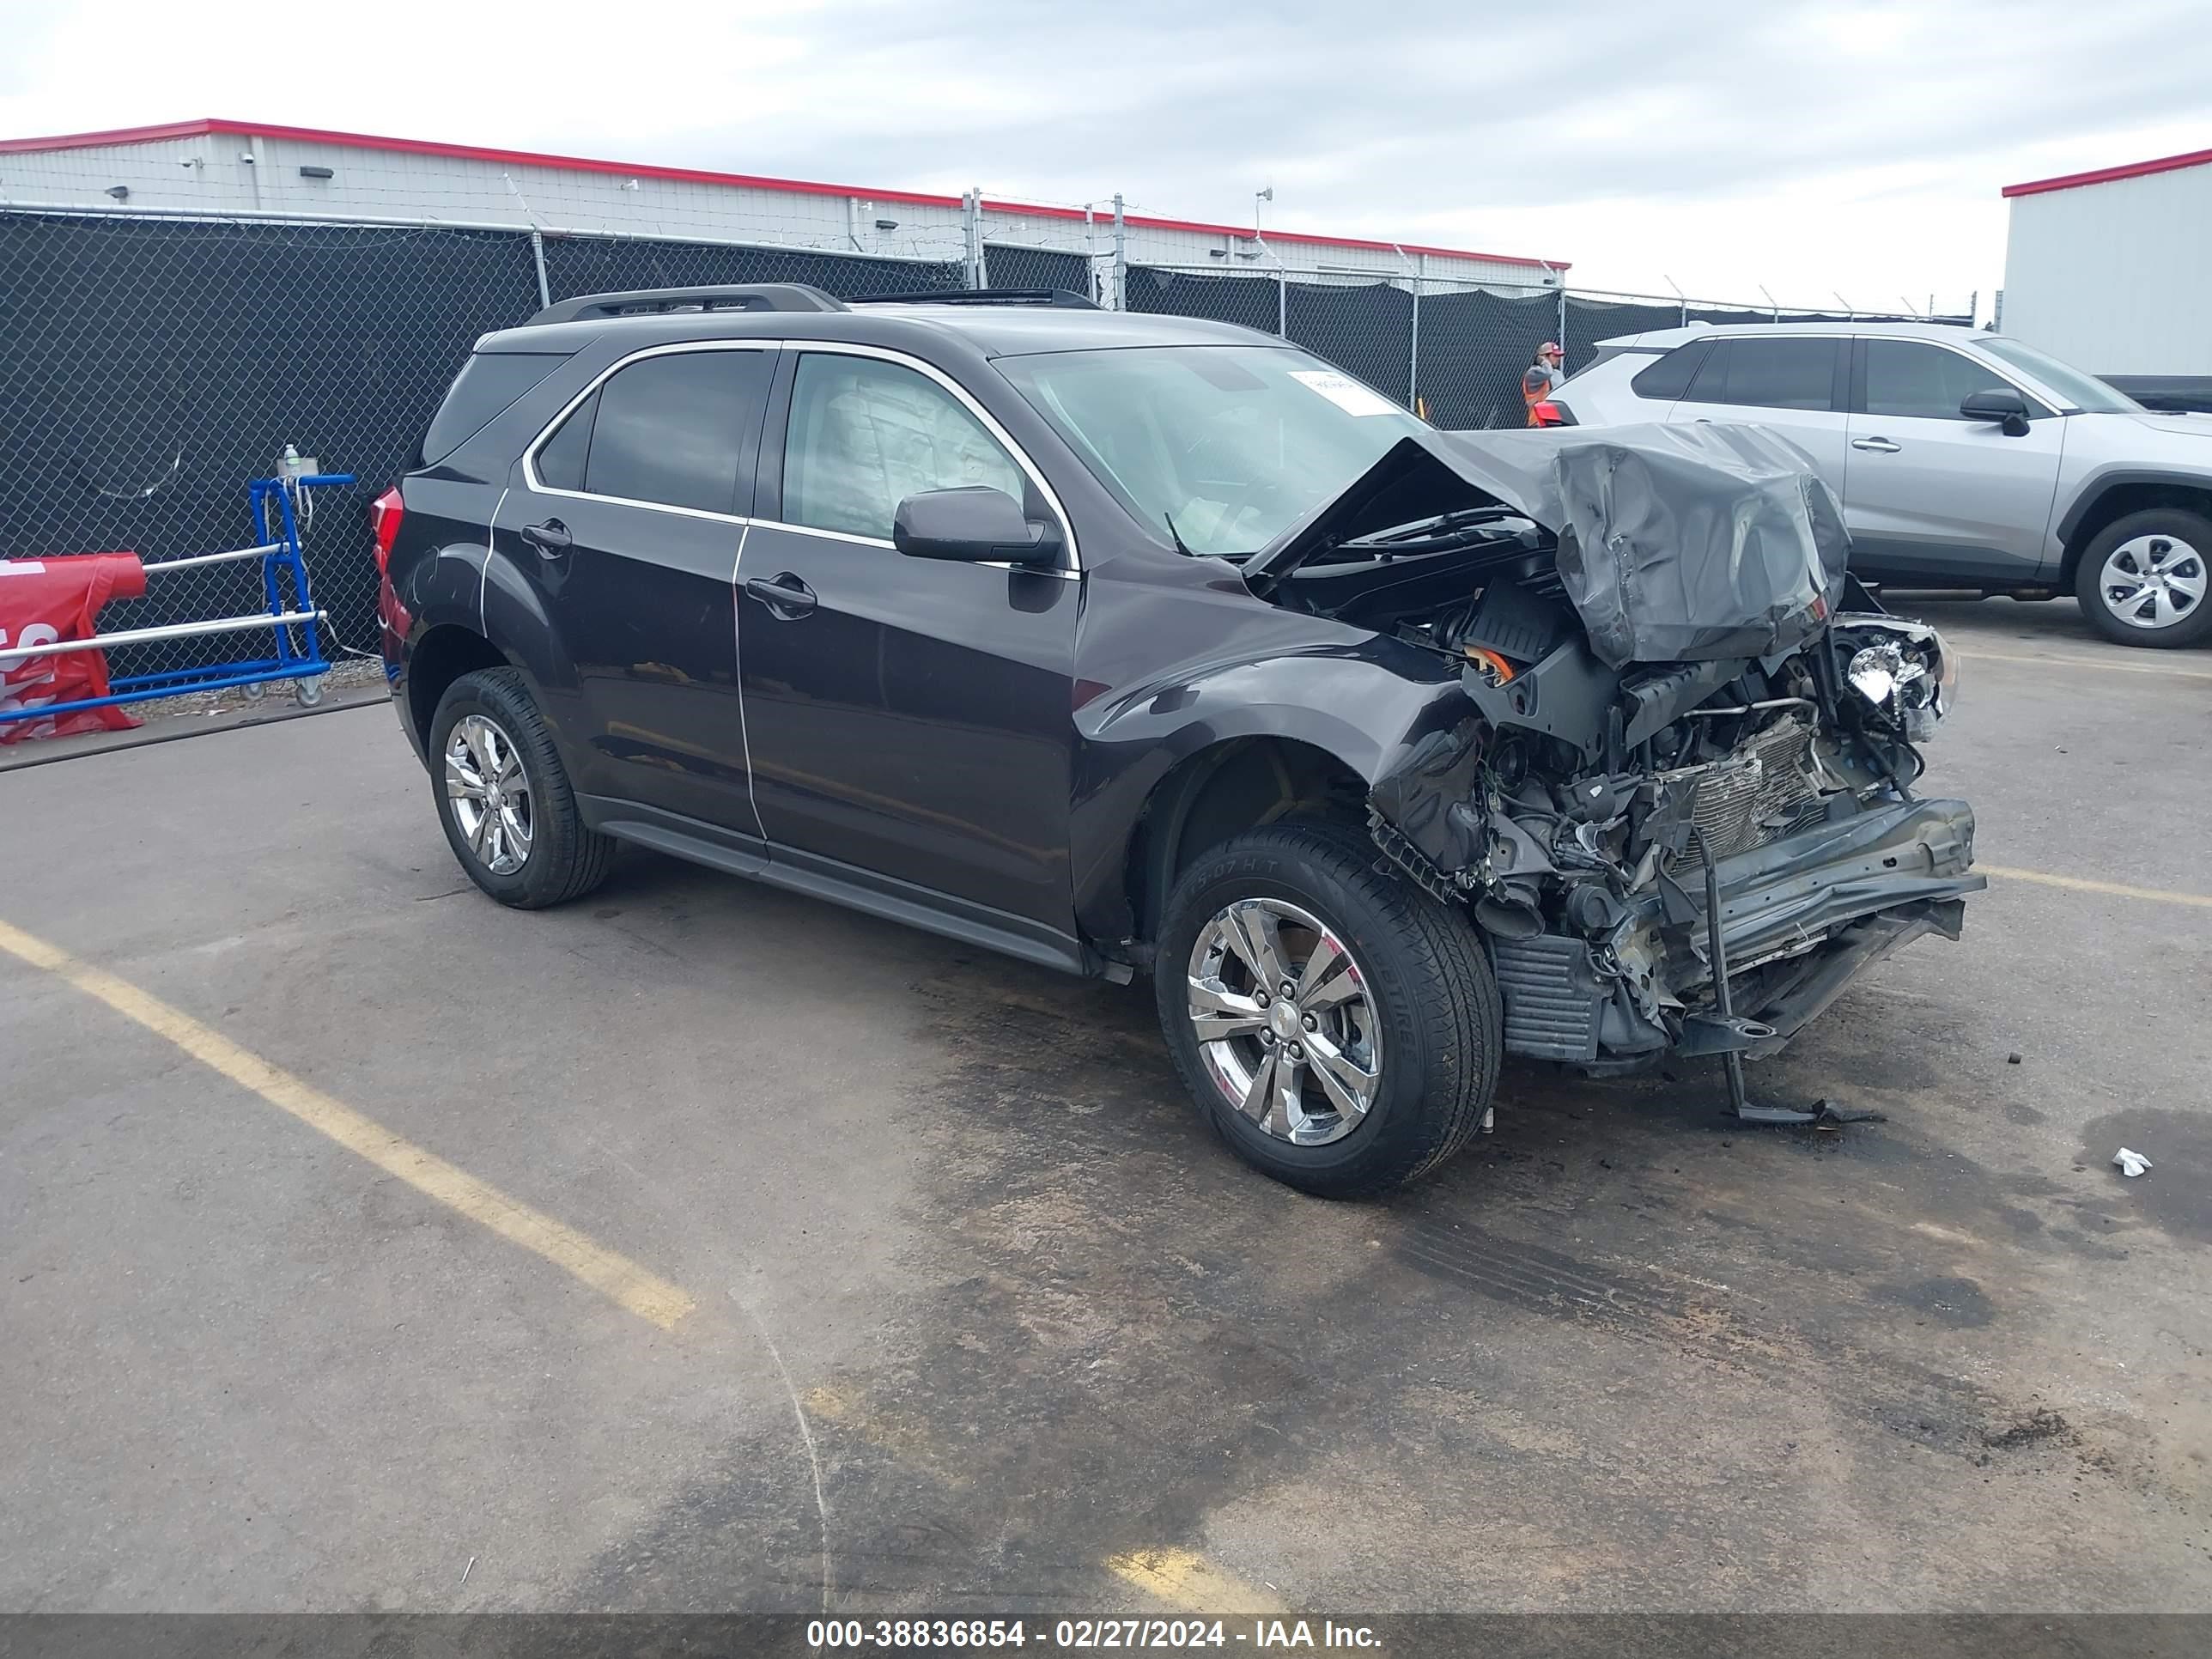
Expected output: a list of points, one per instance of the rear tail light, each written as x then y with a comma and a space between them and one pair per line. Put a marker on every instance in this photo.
1550, 414
384, 515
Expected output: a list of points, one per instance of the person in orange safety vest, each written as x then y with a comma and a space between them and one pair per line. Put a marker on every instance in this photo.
1543, 374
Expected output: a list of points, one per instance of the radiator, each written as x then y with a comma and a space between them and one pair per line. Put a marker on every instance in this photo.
1767, 791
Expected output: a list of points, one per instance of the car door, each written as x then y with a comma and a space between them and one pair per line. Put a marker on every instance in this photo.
1793, 383
1935, 496
628, 513
909, 719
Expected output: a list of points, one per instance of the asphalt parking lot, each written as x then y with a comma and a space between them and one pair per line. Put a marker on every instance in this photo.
861, 1272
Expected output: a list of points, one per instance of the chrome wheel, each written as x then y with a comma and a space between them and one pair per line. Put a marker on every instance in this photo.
490, 793
2153, 581
1285, 1025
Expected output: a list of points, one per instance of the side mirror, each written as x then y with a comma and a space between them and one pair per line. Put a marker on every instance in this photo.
2000, 404
973, 523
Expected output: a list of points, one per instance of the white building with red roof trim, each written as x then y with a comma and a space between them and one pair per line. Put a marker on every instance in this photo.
2107, 269
225, 169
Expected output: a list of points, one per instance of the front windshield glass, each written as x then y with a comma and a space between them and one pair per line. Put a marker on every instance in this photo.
2078, 391
1220, 447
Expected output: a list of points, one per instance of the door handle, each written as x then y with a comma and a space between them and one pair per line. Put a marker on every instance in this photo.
1879, 446
551, 539
787, 598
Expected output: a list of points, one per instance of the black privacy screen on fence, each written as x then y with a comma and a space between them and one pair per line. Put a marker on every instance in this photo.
1465, 364
1035, 267
577, 266
152, 367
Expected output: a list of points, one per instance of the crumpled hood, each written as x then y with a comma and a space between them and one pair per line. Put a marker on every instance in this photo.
1676, 543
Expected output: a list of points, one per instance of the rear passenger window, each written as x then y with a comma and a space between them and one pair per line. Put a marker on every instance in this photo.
1782, 374
1903, 377
671, 429
1776, 373
1670, 377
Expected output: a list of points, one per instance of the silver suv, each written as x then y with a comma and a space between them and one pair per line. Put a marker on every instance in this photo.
1964, 460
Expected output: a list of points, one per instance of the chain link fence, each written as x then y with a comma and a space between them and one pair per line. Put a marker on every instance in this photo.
1006, 266
155, 365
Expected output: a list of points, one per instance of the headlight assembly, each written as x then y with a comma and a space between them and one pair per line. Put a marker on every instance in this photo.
1907, 673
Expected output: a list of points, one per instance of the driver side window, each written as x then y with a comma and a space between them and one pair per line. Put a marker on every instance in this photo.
1906, 378
865, 434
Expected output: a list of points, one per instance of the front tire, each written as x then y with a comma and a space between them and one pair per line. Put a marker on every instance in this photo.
504, 798
2147, 579
1371, 1055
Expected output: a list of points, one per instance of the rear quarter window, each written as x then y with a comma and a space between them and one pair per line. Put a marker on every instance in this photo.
486, 386
1666, 379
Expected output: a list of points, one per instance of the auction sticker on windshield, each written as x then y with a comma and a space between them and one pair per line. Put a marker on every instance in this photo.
1347, 393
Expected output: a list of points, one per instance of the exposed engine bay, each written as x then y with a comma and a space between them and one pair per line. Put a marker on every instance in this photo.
1671, 690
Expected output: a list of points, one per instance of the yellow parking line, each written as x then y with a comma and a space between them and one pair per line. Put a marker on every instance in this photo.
1190, 1581
613, 1276
2091, 662
2083, 884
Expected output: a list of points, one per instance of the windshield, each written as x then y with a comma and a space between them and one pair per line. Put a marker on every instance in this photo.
1218, 448
2083, 392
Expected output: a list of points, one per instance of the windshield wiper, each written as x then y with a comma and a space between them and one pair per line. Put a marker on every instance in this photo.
1433, 534
1174, 537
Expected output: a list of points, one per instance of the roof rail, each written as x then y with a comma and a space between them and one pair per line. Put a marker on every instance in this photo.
1059, 298
646, 301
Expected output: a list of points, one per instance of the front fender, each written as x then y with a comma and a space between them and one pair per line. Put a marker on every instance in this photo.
1347, 700
1363, 699
2086, 491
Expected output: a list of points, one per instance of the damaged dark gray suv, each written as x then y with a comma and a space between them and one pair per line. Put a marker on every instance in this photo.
1132, 645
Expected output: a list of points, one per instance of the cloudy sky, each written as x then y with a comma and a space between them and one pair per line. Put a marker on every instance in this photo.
1810, 147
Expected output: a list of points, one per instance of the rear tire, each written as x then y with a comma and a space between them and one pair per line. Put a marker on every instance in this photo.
504, 798
1415, 1004
2148, 566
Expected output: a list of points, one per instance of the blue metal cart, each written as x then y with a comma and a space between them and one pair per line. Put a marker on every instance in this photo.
277, 509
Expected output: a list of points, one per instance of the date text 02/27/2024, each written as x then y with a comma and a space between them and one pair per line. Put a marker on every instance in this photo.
1086, 1633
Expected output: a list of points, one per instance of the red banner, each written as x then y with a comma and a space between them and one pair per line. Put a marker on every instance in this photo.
44, 602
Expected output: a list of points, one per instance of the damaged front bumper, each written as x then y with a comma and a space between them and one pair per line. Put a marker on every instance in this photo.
1801, 917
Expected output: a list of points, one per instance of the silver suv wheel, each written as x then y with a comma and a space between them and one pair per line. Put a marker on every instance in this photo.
2153, 581
1285, 1026
491, 793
